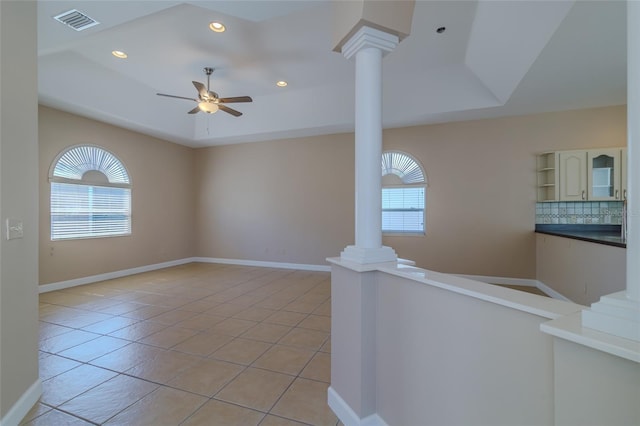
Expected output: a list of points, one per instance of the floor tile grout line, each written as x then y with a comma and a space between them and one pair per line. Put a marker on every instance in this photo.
210, 399
69, 414
178, 306
310, 287
199, 332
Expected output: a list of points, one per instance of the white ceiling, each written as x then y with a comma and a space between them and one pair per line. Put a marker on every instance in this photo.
495, 58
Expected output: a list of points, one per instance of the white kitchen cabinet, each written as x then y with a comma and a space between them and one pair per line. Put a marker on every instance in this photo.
604, 174
582, 175
573, 175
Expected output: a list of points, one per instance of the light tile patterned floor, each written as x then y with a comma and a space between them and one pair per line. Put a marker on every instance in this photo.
198, 344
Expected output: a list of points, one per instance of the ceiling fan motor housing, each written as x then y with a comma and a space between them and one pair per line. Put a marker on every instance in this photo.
209, 101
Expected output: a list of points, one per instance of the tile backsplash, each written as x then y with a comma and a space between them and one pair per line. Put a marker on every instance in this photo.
586, 212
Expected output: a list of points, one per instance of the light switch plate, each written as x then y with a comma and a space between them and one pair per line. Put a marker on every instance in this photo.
14, 229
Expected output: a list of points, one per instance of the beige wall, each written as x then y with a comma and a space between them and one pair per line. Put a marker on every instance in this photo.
281, 201
19, 200
481, 194
162, 200
292, 200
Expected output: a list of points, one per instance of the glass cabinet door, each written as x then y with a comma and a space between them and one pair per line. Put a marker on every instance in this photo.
604, 170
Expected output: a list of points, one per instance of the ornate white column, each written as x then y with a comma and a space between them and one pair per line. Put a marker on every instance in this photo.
619, 313
352, 394
368, 45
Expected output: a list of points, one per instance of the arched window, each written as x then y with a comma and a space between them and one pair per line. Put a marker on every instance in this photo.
90, 194
403, 194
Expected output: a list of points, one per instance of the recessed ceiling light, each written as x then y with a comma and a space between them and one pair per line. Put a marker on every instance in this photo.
441, 30
119, 54
282, 83
217, 27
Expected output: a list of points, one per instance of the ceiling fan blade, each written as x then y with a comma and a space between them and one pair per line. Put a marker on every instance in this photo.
195, 110
177, 97
229, 110
236, 99
204, 93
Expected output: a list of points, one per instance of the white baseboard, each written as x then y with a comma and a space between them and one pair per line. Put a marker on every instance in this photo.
501, 280
44, 288
264, 264
20, 409
346, 415
551, 292
518, 281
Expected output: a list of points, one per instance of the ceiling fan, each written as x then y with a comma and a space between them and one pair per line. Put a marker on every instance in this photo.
209, 101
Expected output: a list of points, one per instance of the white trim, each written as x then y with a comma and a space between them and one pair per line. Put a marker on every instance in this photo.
22, 406
264, 264
44, 288
615, 314
367, 37
551, 292
363, 255
525, 282
541, 306
570, 328
346, 415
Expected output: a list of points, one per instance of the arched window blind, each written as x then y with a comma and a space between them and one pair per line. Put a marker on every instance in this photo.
90, 195
403, 166
403, 205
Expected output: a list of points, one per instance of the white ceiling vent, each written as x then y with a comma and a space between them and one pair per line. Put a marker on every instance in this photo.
76, 20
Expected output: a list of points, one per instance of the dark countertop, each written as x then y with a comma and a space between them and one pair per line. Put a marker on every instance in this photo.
601, 234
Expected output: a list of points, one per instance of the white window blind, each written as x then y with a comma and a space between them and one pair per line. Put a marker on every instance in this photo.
403, 210
403, 166
75, 162
403, 207
90, 195
86, 211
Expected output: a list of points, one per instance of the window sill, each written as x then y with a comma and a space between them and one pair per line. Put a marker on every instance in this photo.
90, 237
403, 234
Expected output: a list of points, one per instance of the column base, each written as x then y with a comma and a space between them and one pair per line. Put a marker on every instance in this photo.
616, 315
368, 255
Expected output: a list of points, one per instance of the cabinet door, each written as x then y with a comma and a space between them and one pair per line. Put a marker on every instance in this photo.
573, 175
604, 174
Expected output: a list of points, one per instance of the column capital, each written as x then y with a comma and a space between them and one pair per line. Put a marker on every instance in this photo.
367, 37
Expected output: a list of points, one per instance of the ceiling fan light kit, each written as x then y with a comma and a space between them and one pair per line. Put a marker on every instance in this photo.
208, 101
208, 107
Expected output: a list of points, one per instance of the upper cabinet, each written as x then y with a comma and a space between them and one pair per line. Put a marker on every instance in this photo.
604, 174
582, 175
573, 176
